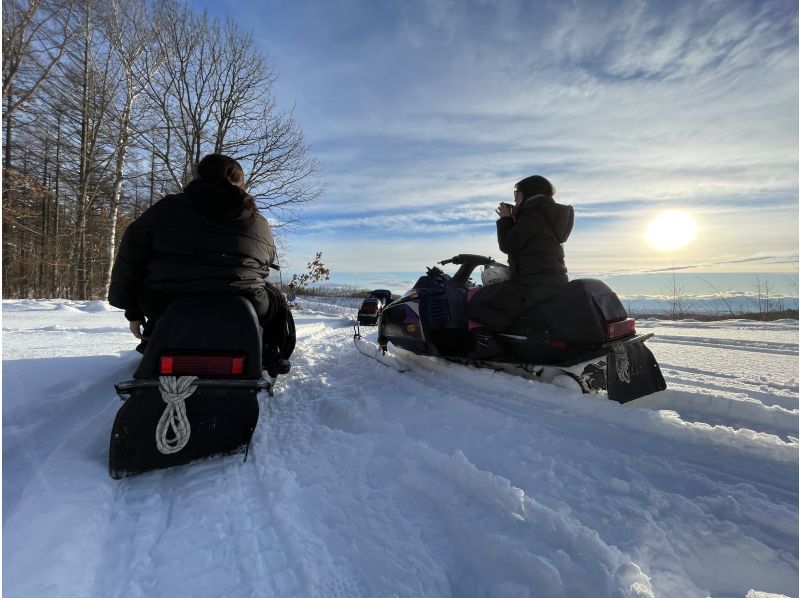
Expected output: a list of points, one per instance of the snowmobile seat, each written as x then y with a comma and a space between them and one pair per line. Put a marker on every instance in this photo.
578, 314
217, 322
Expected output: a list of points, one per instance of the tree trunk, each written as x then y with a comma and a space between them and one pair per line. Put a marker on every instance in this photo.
81, 286
58, 176
45, 222
9, 115
115, 199
152, 176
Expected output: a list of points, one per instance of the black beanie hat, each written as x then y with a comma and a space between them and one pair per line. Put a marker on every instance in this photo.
535, 185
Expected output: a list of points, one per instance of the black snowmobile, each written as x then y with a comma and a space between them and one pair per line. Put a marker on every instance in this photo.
582, 338
194, 392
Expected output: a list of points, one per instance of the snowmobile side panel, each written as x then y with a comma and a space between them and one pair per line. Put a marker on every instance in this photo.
400, 324
222, 422
643, 370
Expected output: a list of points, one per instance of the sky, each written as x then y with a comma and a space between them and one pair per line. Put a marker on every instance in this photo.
424, 113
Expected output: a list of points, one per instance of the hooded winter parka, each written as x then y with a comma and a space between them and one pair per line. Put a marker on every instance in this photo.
199, 241
532, 240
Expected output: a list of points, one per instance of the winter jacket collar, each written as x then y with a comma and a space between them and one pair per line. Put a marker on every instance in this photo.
219, 200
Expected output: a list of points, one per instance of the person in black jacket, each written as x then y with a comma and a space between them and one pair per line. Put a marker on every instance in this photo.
531, 232
208, 239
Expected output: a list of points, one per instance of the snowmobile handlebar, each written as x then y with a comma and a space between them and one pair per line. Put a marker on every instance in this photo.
472, 259
468, 263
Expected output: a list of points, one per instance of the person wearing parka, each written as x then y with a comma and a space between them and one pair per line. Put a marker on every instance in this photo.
210, 239
531, 233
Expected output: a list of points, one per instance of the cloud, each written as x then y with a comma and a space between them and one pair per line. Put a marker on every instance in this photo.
757, 261
426, 112
636, 39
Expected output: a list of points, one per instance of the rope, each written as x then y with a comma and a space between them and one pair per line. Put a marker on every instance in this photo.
622, 361
174, 391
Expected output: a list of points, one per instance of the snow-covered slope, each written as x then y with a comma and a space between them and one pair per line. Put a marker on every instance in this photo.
440, 481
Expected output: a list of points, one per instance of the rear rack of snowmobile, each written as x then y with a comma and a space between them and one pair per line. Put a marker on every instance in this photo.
637, 338
128, 386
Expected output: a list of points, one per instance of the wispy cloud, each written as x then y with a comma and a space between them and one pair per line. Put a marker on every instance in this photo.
426, 112
754, 262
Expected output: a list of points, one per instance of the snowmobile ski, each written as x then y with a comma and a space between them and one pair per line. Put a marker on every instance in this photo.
376, 352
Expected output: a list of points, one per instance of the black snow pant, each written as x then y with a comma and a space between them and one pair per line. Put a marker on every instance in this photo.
497, 305
277, 320
270, 305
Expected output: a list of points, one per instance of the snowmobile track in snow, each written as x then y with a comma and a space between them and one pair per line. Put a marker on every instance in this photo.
446, 480
528, 400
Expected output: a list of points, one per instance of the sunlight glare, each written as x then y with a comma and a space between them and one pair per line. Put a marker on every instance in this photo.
670, 230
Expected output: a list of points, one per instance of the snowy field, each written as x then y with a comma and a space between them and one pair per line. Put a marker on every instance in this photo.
440, 481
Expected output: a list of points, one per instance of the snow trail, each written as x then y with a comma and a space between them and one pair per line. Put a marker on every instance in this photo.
443, 480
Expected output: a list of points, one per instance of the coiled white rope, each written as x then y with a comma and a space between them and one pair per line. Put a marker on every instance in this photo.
623, 363
174, 391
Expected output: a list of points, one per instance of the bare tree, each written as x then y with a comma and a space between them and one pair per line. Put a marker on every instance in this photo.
112, 104
250, 127
678, 300
35, 37
181, 92
131, 40
762, 295
89, 82
214, 94
722, 297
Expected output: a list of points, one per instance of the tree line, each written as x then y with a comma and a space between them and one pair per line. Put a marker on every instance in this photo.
107, 106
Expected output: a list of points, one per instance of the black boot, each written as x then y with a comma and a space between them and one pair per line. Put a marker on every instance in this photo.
274, 363
486, 344
278, 366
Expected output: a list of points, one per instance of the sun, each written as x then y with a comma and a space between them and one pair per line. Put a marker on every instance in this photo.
670, 230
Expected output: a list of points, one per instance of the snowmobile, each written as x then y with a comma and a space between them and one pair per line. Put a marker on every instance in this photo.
194, 393
581, 339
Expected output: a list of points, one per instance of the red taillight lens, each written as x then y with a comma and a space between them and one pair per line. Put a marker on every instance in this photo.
369, 309
621, 328
203, 365
166, 364
237, 365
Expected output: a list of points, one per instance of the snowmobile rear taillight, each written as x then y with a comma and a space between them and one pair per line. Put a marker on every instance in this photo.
231, 364
621, 328
369, 309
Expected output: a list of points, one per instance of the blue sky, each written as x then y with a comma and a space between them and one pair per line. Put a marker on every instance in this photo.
425, 113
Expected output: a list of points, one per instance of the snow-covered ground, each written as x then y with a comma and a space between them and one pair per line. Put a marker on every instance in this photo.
440, 481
